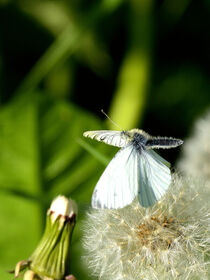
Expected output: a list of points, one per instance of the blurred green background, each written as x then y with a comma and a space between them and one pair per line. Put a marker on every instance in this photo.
145, 62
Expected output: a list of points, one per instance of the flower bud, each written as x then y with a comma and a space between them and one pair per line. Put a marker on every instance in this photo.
50, 260
61, 206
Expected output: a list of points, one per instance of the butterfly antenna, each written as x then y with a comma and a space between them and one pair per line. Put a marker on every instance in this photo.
102, 111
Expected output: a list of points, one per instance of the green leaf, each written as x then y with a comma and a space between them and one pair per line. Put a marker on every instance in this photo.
66, 43
132, 86
93, 151
20, 227
40, 158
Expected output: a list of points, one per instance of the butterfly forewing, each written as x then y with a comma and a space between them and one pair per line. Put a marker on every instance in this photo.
111, 137
118, 185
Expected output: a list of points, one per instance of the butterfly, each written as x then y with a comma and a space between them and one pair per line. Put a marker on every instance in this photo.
135, 171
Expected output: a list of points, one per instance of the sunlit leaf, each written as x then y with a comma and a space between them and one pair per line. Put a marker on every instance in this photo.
40, 158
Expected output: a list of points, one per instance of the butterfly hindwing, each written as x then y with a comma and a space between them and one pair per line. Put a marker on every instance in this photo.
118, 185
154, 177
130, 173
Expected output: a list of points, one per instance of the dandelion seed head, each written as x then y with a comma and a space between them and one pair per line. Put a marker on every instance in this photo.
196, 151
168, 241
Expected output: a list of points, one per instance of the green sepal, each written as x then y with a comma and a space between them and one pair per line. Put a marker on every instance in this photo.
51, 257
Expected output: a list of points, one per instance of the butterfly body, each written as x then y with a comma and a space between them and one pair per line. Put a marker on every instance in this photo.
136, 170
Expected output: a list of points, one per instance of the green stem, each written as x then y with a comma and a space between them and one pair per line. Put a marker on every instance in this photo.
130, 97
65, 45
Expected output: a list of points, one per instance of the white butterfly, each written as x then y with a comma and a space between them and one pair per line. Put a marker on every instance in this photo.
135, 170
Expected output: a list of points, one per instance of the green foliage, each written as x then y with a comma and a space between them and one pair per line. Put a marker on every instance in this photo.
40, 158
145, 62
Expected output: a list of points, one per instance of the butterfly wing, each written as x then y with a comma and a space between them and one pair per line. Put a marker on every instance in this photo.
154, 177
118, 185
111, 137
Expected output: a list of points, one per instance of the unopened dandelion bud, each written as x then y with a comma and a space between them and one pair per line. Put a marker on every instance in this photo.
63, 207
50, 260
